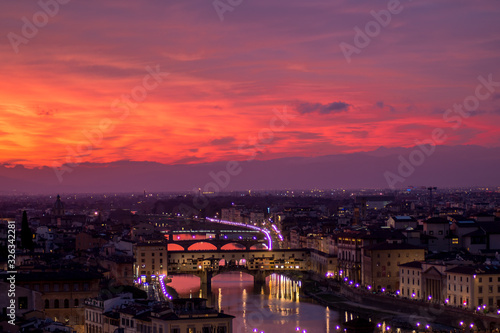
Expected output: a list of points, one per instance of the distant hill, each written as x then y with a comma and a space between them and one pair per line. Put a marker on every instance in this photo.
448, 166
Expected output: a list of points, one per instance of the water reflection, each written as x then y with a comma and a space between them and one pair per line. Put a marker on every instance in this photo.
275, 305
282, 287
265, 308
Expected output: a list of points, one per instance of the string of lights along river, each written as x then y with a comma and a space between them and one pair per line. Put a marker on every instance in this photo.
275, 306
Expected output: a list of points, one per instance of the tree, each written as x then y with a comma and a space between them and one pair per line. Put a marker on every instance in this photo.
26, 234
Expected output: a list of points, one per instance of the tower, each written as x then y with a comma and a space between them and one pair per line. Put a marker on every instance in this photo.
58, 208
431, 206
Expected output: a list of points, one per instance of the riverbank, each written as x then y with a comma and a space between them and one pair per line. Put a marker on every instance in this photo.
410, 314
326, 296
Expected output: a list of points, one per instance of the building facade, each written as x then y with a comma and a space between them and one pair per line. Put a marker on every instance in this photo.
474, 287
381, 262
150, 259
63, 293
178, 316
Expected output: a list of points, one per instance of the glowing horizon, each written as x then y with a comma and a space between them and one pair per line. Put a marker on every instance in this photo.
205, 89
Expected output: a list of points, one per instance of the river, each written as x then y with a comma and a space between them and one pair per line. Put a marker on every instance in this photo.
275, 307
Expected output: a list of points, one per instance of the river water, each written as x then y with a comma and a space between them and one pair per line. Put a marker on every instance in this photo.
274, 308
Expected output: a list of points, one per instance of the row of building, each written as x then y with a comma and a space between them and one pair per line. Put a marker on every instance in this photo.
124, 314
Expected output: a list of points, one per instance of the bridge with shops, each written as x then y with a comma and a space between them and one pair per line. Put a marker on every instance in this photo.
258, 263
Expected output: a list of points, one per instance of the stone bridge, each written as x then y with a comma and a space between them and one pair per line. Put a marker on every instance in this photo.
218, 244
258, 263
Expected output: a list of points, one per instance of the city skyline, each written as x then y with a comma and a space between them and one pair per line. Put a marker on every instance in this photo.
89, 263
390, 169
200, 82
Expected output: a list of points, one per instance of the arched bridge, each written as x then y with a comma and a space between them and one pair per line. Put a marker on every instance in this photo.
216, 244
259, 264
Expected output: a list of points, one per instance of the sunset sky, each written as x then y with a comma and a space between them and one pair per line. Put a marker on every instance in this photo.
225, 78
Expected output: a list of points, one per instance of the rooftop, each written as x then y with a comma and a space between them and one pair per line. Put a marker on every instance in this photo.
412, 264
437, 220
481, 269
392, 246
73, 275
403, 218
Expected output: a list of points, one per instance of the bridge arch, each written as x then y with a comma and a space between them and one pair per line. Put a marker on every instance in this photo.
246, 273
233, 246
259, 246
175, 247
233, 268
202, 246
